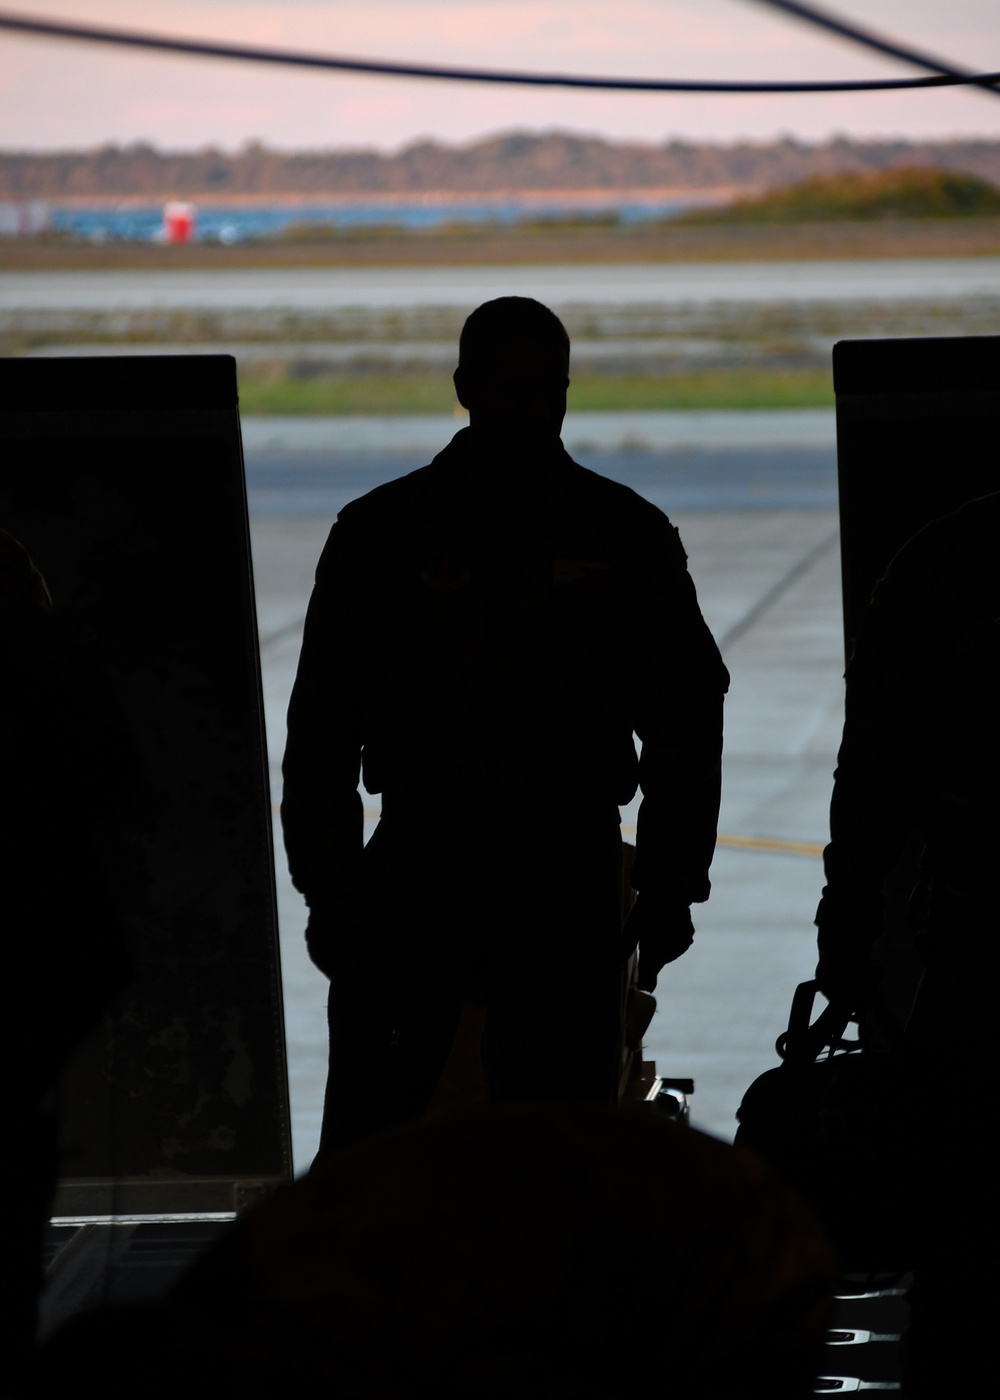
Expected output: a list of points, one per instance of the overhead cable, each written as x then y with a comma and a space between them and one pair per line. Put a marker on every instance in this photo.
881, 43
197, 48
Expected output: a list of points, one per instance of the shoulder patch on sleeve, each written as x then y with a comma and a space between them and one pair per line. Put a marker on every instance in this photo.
674, 553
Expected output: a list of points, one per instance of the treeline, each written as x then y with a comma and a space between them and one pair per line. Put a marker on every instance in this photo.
514, 161
906, 193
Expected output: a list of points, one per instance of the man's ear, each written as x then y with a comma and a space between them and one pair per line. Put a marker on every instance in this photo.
461, 381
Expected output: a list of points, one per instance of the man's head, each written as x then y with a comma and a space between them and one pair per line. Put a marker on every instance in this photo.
513, 370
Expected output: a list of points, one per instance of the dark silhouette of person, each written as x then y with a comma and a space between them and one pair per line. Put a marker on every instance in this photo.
64, 956
522, 1252
485, 634
915, 805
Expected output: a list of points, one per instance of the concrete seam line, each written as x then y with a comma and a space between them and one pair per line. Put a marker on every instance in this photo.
777, 591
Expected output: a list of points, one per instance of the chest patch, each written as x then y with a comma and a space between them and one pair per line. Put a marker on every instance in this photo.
445, 574
577, 573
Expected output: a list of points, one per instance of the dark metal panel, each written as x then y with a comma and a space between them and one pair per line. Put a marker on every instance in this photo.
124, 479
918, 433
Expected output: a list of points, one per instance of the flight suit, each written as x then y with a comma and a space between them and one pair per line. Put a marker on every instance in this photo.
485, 635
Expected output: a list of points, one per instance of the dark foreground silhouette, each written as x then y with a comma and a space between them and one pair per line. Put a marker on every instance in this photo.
490, 627
529, 1252
64, 956
914, 823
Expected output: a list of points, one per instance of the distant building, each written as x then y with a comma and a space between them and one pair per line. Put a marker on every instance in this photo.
23, 218
179, 222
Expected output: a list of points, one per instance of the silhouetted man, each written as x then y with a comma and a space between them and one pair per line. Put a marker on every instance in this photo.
916, 787
485, 634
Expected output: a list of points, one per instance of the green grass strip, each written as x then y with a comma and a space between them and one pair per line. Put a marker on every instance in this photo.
380, 395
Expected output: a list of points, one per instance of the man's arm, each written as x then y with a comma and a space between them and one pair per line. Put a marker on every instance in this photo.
681, 683
321, 811
873, 808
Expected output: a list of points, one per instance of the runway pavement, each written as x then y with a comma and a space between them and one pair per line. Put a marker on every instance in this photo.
420, 436
327, 289
760, 527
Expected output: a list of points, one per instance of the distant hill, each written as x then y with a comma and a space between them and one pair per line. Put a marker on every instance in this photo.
908, 193
510, 162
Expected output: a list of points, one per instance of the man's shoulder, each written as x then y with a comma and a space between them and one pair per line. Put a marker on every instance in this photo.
390, 501
952, 552
372, 524
605, 489
627, 514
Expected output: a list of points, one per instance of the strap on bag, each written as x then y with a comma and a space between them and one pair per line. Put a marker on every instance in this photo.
805, 1040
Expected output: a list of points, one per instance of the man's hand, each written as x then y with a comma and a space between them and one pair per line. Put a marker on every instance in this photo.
335, 933
848, 927
845, 975
663, 930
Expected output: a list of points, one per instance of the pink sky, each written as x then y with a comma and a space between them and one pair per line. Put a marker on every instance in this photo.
54, 94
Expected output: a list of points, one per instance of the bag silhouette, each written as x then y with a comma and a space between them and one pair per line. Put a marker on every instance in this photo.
841, 1123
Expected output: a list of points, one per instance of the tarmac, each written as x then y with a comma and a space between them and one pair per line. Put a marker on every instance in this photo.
754, 496
331, 288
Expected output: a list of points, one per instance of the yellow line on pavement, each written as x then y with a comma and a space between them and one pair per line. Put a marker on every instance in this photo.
770, 843
755, 843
